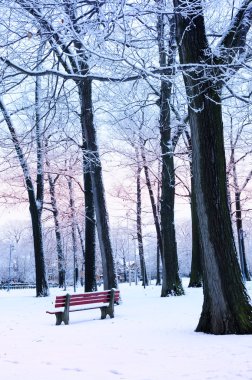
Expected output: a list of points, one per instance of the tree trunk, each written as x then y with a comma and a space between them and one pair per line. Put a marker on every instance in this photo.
73, 231
152, 198
89, 134
59, 245
42, 289
139, 226
90, 227
171, 284
238, 218
196, 266
35, 206
159, 251
240, 236
226, 307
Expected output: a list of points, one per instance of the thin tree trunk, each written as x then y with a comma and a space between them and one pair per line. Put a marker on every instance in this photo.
124, 267
59, 245
139, 225
35, 207
196, 266
152, 198
240, 236
73, 231
80, 234
159, 251
81, 240
238, 219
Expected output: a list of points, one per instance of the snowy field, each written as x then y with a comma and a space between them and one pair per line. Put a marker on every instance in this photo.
150, 338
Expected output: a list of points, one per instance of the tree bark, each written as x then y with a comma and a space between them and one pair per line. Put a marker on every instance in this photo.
139, 225
226, 307
240, 236
90, 226
59, 245
196, 265
152, 198
73, 231
89, 134
159, 251
35, 207
72, 57
42, 288
171, 284
238, 219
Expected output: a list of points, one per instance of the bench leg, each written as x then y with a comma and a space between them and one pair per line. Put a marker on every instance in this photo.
107, 310
59, 318
103, 312
64, 316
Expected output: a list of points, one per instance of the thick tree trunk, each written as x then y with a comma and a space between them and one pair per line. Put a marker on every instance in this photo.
226, 307
89, 134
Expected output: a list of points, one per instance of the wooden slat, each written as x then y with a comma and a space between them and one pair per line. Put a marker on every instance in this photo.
87, 298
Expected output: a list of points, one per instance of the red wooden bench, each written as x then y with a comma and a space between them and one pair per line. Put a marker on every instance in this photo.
66, 304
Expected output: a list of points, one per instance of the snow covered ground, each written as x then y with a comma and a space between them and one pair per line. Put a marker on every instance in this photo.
150, 338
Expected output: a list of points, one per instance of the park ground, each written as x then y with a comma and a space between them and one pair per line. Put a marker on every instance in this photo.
150, 338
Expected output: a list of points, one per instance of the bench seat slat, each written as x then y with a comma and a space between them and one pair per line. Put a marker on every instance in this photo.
88, 295
85, 299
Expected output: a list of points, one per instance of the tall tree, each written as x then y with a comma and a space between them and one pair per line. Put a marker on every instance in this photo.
237, 201
68, 44
139, 220
171, 284
90, 225
35, 197
226, 307
59, 245
73, 229
196, 266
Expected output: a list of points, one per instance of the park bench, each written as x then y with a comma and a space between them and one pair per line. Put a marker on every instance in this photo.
66, 304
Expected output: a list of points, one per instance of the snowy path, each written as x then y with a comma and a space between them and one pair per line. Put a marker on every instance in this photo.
150, 338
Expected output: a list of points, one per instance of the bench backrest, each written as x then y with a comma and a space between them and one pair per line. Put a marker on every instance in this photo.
87, 298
